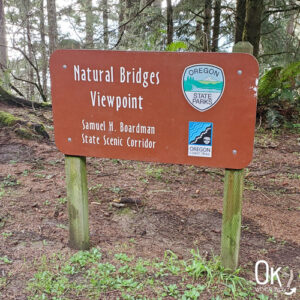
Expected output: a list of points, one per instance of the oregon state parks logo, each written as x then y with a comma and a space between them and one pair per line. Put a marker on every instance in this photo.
203, 85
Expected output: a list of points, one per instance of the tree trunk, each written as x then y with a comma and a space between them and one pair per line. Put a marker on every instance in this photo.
121, 18
170, 27
239, 20
30, 93
199, 34
254, 9
3, 42
52, 25
216, 28
128, 11
105, 24
9, 99
43, 48
89, 23
207, 25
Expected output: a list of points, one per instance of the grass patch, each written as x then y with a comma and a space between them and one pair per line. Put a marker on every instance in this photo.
154, 172
87, 275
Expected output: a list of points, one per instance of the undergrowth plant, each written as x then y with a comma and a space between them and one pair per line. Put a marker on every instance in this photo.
87, 275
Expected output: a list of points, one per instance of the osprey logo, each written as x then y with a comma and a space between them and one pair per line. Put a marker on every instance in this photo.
203, 85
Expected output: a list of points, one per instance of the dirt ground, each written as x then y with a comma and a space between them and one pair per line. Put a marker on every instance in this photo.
181, 206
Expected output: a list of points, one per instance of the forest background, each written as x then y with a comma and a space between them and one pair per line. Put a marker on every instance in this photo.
30, 30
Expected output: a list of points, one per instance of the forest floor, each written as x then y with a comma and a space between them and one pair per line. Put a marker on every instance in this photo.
180, 209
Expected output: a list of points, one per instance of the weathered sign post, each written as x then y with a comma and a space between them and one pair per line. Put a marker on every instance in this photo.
232, 203
185, 108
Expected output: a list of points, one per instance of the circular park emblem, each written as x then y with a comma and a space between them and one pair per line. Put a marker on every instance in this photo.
203, 85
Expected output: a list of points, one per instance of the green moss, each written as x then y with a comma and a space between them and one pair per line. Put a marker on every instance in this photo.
7, 119
268, 82
46, 104
25, 133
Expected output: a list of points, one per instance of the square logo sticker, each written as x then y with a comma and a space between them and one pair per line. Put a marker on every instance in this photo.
200, 139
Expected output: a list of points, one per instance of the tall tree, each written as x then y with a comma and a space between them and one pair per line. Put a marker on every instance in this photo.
240, 15
207, 25
89, 23
52, 25
216, 27
105, 24
121, 19
3, 42
254, 10
44, 57
27, 21
170, 27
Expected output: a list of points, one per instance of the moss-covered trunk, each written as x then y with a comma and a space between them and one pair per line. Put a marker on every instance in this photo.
20, 102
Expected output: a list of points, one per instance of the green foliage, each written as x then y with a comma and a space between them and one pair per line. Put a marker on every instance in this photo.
155, 172
269, 82
290, 74
175, 46
5, 260
86, 275
62, 200
9, 180
279, 96
48, 283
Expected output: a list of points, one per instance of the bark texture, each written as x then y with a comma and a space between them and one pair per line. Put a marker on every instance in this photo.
52, 25
239, 20
27, 19
207, 25
251, 34
216, 27
3, 42
170, 27
20, 102
105, 24
89, 23
43, 47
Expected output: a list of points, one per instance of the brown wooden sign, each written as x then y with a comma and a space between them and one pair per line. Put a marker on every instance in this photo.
186, 108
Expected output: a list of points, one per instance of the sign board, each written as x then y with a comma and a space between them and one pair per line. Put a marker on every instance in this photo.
185, 108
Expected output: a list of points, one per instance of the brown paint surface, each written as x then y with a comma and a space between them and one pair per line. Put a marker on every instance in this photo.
163, 106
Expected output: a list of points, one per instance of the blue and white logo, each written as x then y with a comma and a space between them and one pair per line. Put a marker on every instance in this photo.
203, 85
200, 139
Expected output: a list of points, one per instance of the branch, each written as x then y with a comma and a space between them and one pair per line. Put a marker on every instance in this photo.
119, 41
37, 85
277, 53
16, 90
127, 22
269, 12
131, 19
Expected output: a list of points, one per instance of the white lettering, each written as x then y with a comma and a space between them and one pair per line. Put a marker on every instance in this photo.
266, 273
275, 275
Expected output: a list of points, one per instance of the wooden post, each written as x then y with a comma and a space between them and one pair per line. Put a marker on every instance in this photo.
77, 202
232, 216
232, 206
